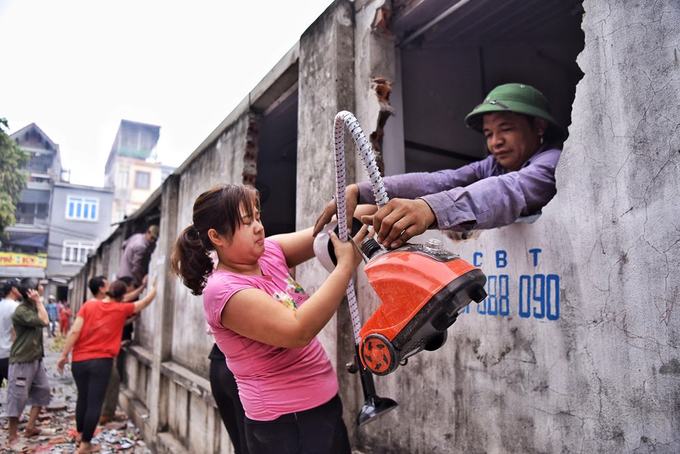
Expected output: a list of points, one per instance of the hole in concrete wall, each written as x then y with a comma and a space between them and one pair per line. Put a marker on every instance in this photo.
277, 163
141, 221
449, 67
62, 293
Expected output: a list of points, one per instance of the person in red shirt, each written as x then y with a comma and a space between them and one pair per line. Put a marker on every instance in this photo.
118, 369
64, 318
95, 339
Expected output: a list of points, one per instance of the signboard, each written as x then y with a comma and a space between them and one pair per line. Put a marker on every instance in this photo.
23, 260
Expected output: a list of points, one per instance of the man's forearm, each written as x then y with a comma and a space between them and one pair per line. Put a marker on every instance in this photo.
418, 184
42, 313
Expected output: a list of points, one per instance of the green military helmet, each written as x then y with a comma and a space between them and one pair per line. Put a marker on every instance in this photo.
518, 98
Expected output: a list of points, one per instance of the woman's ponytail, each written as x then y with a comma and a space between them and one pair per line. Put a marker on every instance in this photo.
190, 260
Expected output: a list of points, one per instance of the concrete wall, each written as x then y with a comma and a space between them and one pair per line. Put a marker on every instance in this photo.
576, 348
221, 164
326, 86
602, 376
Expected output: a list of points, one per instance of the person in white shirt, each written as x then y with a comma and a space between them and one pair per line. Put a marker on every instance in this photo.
9, 300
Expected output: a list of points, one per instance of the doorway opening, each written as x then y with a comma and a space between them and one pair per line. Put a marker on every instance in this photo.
277, 163
453, 55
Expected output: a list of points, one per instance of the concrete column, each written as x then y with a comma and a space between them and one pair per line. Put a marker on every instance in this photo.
377, 76
326, 86
378, 108
164, 305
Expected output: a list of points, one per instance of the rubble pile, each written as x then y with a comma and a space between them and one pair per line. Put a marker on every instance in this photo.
57, 422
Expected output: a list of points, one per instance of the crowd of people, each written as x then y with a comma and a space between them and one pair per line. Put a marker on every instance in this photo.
92, 344
273, 383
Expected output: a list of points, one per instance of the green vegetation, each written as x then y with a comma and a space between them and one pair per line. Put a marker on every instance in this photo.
12, 178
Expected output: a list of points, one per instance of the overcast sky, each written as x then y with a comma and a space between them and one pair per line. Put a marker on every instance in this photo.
76, 68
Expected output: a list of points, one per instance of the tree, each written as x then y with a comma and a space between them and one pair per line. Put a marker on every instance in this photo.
12, 177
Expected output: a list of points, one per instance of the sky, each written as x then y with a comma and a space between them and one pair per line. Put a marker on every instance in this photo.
77, 67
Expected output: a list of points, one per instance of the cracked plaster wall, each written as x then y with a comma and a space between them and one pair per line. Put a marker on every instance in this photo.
605, 376
221, 163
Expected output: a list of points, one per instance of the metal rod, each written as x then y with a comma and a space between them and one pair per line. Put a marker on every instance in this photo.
433, 22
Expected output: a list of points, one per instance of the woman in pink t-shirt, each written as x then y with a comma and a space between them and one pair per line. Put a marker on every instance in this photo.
265, 323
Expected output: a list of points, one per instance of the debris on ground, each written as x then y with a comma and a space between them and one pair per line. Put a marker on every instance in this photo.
57, 421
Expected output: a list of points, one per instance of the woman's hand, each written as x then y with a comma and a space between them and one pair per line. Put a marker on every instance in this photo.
63, 359
352, 198
347, 252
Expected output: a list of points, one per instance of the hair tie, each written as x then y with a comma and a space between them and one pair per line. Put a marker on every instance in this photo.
192, 233
194, 236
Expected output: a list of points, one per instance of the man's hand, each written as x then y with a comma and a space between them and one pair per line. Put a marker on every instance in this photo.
400, 220
34, 296
352, 197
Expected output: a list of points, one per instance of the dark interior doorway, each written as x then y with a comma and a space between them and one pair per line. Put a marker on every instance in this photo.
450, 62
277, 164
62, 293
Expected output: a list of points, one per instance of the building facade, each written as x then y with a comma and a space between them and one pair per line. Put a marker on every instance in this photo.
57, 223
80, 217
24, 253
132, 169
576, 348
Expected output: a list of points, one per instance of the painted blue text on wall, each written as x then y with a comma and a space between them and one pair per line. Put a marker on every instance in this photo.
535, 296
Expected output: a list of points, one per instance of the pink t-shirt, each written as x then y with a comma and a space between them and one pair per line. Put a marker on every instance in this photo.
272, 381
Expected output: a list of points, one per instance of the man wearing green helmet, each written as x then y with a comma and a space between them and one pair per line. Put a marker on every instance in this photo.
516, 179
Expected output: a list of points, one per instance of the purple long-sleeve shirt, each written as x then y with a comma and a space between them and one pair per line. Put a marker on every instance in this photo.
134, 262
480, 195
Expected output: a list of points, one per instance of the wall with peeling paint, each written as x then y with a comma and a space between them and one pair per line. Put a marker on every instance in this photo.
603, 376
